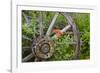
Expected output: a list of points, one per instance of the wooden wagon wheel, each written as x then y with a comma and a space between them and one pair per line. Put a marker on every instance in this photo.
43, 46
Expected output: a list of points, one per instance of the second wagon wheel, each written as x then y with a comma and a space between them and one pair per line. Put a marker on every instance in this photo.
65, 34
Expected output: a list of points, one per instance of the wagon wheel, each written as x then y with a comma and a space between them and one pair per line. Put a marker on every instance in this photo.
44, 44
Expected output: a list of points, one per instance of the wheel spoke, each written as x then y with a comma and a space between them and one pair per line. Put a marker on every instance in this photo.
73, 33
25, 37
26, 19
71, 42
52, 24
41, 24
27, 57
63, 30
26, 48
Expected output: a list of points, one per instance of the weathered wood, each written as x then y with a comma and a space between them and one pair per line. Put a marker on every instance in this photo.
74, 43
25, 37
65, 28
73, 33
26, 48
26, 19
63, 31
52, 24
27, 57
76, 34
41, 24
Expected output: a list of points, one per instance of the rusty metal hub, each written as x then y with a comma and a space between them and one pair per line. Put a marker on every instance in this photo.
43, 48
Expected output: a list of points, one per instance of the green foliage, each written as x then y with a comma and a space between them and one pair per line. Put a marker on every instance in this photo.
63, 51
83, 22
85, 48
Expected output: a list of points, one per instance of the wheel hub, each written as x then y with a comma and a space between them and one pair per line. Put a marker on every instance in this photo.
43, 48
